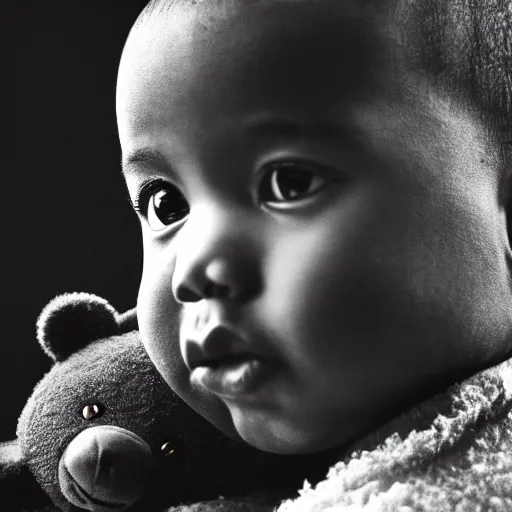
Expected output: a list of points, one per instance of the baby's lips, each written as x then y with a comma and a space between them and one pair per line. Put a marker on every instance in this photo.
105, 468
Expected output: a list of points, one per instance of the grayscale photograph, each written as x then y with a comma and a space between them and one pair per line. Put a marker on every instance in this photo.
187, 334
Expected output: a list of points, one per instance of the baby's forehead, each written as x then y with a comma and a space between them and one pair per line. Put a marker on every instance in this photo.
267, 53
346, 30
462, 50
416, 28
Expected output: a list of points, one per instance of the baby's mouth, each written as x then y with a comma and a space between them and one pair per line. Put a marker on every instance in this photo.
222, 363
214, 345
232, 380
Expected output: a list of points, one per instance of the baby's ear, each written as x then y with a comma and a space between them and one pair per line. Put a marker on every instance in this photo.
72, 321
18, 486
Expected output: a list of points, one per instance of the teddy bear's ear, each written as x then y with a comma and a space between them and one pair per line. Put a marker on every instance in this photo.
17, 484
71, 321
128, 321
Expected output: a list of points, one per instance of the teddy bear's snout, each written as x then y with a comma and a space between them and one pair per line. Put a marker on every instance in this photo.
105, 468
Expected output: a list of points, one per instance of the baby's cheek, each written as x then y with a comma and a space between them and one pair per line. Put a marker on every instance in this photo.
158, 315
309, 277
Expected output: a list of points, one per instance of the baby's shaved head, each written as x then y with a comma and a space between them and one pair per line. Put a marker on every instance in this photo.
464, 46
467, 46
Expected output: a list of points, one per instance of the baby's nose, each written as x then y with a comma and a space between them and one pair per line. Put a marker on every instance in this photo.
216, 262
216, 281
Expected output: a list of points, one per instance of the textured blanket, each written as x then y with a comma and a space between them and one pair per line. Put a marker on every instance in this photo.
451, 453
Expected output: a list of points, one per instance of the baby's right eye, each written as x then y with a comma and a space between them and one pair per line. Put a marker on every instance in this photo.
161, 204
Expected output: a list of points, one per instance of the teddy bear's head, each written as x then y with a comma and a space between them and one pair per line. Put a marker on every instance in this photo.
96, 427
103, 431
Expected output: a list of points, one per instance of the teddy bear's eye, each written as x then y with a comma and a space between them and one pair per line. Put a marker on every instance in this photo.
167, 449
90, 412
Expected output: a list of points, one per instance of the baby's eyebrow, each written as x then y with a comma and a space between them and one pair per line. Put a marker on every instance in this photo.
138, 159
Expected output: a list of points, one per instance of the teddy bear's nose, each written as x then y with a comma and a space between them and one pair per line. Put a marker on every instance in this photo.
105, 468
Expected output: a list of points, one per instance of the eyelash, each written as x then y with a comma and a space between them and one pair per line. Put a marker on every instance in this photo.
141, 201
150, 189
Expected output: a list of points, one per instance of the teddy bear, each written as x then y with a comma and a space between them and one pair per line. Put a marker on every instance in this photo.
102, 431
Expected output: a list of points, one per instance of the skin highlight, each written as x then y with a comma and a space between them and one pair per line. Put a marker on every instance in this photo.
386, 284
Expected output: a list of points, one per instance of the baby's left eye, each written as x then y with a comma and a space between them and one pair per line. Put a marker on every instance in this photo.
285, 182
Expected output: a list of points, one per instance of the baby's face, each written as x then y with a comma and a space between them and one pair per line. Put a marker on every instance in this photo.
344, 252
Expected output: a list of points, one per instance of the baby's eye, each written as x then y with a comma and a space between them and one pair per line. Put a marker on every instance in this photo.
285, 182
161, 204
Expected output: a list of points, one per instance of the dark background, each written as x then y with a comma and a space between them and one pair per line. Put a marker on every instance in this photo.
66, 223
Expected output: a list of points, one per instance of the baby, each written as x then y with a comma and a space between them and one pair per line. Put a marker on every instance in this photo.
322, 187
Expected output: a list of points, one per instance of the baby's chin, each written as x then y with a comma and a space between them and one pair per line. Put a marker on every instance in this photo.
268, 432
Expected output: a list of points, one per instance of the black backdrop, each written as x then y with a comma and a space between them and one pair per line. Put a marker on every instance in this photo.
66, 223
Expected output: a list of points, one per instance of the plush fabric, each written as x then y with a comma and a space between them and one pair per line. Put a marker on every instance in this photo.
453, 453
